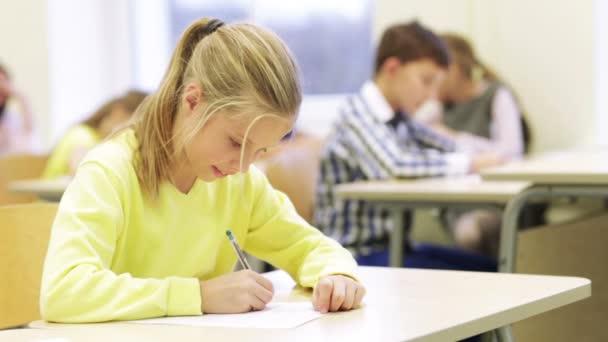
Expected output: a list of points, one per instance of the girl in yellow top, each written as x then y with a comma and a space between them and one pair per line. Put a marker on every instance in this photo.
81, 138
140, 232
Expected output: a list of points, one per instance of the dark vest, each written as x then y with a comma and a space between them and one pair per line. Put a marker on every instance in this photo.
473, 116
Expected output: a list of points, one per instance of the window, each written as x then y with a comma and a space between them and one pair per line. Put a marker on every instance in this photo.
331, 40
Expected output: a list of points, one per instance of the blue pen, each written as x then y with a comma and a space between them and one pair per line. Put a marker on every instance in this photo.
237, 250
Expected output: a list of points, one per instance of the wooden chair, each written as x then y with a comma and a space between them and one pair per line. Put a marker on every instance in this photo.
25, 231
294, 171
19, 167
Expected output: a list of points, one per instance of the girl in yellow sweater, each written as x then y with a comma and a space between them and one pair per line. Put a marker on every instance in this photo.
140, 231
79, 139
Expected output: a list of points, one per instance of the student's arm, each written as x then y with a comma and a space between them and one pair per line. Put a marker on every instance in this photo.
23, 105
431, 138
78, 285
280, 236
69, 152
26, 112
380, 155
506, 130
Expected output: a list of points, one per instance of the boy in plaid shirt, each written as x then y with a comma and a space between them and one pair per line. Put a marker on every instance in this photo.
375, 139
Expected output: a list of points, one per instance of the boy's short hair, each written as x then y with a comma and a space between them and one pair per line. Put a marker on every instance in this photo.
409, 42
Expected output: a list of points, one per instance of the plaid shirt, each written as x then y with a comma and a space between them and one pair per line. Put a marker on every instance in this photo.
370, 142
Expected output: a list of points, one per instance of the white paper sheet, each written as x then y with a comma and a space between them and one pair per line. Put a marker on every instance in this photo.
276, 316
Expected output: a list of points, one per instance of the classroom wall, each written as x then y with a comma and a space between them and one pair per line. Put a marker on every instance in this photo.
545, 49
89, 56
23, 35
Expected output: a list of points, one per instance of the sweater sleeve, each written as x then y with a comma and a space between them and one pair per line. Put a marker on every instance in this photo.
78, 284
280, 236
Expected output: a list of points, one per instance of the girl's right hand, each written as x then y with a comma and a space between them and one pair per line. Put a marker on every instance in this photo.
236, 292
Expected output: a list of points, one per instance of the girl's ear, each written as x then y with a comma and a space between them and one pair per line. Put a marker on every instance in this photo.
192, 96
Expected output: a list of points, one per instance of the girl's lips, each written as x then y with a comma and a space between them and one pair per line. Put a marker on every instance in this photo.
217, 172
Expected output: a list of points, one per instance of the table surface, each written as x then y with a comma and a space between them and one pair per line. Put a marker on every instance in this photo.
582, 167
45, 189
401, 304
467, 189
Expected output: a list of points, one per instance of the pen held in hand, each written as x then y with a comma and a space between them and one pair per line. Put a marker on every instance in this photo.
237, 250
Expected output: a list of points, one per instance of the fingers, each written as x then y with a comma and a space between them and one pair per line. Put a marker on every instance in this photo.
338, 294
359, 294
261, 293
256, 303
349, 299
323, 292
260, 279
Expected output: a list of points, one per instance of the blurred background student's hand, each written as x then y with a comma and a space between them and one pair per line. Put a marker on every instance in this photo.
485, 160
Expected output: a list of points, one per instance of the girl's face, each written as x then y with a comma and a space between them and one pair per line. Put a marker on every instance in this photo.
215, 151
413, 83
453, 83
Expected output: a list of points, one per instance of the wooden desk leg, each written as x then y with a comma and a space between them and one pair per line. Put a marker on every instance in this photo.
396, 238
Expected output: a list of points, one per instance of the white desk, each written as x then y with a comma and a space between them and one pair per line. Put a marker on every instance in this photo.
466, 191
570, 173
401, 305
48, 190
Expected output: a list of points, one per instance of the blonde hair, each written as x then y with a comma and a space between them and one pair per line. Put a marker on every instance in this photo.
241, 68
129, 101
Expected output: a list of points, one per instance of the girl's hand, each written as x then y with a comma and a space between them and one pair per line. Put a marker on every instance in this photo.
336, 293
237, 292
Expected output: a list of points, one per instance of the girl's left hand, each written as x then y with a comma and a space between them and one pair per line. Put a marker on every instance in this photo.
336, 293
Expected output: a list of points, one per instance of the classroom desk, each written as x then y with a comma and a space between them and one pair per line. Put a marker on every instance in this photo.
401, 305
48, 190
397, 195
569, 173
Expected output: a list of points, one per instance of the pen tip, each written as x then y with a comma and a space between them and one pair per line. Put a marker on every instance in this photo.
229, 234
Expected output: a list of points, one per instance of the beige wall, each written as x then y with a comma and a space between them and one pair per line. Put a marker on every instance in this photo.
89, 57
545, 49
23, 33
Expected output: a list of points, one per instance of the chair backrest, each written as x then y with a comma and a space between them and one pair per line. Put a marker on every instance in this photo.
19, 167
294, 171
24, 236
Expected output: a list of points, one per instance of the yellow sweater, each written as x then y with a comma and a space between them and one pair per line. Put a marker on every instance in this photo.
80, 136
115, 255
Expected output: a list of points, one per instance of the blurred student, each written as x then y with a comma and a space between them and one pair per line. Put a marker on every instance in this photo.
374, 138
70, 150
477, 108
16, 127
480, 113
